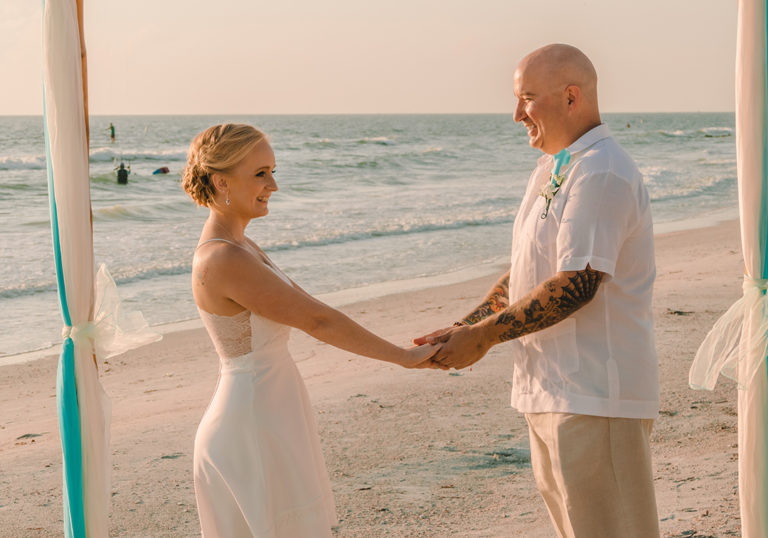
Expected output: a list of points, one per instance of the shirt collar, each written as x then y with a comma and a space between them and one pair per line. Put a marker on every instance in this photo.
589, 138
586, 140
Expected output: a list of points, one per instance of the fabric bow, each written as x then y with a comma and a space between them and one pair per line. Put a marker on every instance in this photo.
736, 345
112, 330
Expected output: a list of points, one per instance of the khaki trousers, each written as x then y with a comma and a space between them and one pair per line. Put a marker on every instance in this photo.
595, 474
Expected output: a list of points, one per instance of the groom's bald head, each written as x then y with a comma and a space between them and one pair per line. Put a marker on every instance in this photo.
556, 86
563, 65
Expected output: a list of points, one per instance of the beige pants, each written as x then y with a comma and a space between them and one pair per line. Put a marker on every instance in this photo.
595, 474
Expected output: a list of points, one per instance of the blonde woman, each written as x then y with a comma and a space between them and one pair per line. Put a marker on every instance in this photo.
258, 467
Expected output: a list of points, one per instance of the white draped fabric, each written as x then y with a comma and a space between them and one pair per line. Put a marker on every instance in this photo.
737, 344
68, 155
89, 313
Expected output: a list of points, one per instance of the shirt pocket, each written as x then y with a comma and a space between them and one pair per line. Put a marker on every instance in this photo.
553, 352
534, 254
544, 234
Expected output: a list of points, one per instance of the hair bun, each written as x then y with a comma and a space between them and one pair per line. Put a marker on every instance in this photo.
217, 149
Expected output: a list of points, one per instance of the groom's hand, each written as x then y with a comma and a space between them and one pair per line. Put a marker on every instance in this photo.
431, 338
462, 346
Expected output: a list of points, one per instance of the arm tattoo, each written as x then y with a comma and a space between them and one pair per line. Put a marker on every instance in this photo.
560, 300
496, 301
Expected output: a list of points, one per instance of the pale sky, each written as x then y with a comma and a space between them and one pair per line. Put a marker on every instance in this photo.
363, 56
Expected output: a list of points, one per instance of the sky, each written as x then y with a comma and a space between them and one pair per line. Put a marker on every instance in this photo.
366, 56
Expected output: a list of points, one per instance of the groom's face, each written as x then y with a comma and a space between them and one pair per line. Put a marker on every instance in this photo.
541, 107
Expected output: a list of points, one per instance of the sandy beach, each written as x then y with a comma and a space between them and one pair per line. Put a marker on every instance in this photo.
410, 453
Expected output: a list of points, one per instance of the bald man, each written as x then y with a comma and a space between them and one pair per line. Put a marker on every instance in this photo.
575, 307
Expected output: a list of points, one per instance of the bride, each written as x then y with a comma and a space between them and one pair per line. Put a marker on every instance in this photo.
258, 468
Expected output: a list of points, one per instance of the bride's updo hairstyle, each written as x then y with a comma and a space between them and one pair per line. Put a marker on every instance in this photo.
217, 149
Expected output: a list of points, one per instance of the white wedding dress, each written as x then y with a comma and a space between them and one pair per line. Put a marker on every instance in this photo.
258, 467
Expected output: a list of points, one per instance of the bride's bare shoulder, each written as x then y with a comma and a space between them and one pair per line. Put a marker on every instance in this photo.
216, 258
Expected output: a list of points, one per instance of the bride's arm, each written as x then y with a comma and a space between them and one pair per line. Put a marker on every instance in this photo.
235, 274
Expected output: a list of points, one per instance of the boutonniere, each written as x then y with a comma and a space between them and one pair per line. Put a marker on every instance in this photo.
551, 187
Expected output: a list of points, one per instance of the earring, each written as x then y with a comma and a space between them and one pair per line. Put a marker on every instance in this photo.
227, 199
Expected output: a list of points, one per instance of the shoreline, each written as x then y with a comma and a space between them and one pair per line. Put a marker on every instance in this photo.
351, 296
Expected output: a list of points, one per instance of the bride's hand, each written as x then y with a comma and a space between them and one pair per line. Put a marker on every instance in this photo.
421, 357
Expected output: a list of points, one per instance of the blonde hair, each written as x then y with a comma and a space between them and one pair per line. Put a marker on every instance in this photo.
217, 149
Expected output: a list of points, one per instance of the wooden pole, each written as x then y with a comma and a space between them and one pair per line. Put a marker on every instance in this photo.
84, 62
84, 65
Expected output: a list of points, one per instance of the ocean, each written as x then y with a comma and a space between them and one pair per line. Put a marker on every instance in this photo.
367, 204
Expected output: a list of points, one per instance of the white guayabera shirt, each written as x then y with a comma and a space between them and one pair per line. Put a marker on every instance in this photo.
601, 360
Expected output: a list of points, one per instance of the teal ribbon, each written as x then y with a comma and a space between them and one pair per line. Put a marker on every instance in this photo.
562, 158
66, 389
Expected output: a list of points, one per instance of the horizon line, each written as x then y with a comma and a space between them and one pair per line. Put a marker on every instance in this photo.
366, 113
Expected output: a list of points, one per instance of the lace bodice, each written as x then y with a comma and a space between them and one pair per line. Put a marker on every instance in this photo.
243, 333
231, 335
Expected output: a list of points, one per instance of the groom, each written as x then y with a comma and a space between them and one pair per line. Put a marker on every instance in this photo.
576, 306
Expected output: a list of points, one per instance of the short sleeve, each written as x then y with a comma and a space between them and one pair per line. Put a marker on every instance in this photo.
595, 222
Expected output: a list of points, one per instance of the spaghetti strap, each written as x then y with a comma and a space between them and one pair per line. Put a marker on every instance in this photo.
217, 239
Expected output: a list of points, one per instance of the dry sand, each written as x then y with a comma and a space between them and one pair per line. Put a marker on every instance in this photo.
410, 453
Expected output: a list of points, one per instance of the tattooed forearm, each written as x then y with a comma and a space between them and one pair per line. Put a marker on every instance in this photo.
551, 302
496, 301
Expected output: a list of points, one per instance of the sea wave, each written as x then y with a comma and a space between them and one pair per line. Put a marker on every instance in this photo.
392, 160
23, 162
142, 212
729, 161
112, 154
706, 132
121, 212
655, 175
676, 133
120, 275
380, 140
321, 143
21, 290
100, 155
716, 132
713, 185
125, 275
389, 230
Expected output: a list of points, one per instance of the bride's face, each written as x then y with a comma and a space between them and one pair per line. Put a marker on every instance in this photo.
252, 182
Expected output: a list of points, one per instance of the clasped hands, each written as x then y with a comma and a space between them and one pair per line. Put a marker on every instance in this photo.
457, 347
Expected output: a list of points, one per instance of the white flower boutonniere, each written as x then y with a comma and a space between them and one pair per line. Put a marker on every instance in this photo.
552, 186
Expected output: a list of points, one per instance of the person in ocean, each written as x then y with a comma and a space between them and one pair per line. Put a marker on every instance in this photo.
111, 130
122, 173
258, 467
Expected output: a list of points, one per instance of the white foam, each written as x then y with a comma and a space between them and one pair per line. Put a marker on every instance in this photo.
23, 162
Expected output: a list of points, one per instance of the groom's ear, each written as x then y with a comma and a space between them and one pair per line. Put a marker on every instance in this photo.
573, 96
